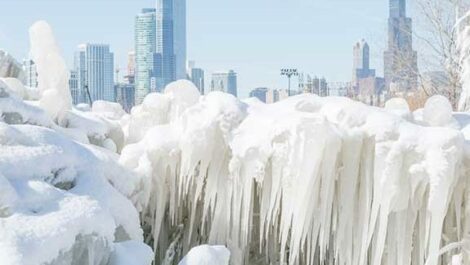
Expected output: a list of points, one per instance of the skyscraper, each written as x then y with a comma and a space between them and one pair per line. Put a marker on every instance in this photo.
73, 85
131, 63
260, 93
145, 46
361, 61
400, 60
171, 39
125, 95
225, 82
196, 75
94, 66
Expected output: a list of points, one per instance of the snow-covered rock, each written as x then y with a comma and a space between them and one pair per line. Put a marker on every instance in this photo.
64, 201
207, 255
438, 112
131, 253
14, 110
399, 106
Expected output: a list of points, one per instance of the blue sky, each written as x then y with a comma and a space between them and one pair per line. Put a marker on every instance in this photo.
254, 37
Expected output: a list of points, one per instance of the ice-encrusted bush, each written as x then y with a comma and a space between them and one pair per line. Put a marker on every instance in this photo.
304, 181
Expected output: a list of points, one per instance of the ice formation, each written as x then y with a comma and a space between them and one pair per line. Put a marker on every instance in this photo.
303, 181
53, 76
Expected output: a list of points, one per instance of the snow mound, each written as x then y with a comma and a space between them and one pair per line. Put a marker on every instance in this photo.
399, 106
438, 112
207, 255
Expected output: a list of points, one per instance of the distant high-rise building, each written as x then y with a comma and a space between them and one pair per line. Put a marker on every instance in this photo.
74, 88
125, 95
196, 75
9, 67
171, 39
131, 63
94, 66
315, 85
324, 90
400, 60
225, 82
31, 73
366, 87
260, 93
361, 61
145, 47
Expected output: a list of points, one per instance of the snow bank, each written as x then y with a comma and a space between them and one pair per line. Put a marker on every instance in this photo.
305, 180
207, 255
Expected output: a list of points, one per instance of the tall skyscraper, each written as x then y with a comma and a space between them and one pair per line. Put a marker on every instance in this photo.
400, 60
94, 65
361, 61
171, 39
145, 47
31, 73
225, 82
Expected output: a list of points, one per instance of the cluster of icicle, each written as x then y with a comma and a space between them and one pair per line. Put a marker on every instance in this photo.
308, 180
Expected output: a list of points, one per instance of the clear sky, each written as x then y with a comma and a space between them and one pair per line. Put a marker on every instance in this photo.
253, 37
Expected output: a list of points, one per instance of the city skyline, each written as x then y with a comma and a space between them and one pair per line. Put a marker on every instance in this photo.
260, 70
